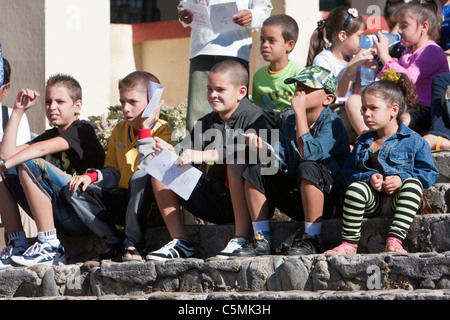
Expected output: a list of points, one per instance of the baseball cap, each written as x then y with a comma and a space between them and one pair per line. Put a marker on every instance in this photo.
316, 77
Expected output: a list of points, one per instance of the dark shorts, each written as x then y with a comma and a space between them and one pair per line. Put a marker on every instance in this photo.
282, 190
206, 204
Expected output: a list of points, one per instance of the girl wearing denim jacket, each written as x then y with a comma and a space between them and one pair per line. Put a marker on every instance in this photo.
389, 160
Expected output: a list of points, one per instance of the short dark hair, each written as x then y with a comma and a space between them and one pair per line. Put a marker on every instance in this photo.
7, 71
287, 23
67, 81
137, 80
235, 70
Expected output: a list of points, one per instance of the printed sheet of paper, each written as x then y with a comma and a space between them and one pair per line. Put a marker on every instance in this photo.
155, 91
200, 15
181, 180
221, 17
217, 17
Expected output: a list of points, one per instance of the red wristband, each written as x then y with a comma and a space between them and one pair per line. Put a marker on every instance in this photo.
93, 175
145, 133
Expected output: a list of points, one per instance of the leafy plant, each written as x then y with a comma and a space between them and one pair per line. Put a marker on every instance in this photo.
104, 124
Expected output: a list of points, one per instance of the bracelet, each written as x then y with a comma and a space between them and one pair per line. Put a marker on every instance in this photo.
2, 166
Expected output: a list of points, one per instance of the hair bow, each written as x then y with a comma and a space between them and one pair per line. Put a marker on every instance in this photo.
391, 75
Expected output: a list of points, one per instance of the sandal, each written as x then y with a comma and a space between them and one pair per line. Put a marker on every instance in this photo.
110, 254
345, 246
132, 252
394, 245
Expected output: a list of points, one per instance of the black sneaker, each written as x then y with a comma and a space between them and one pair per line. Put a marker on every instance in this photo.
258, 246
304, 244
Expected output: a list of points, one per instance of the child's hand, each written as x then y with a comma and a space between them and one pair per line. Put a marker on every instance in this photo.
391, 184
382, 47
362, 57
146, 123
185, 15
160, 145
298, 102
376, 181
25, 99
253, 141
190, 156
243, 18
76, 181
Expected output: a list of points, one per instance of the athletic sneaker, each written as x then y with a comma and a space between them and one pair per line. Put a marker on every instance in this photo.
258, 246
176, 248
233, 245
40, 253
7, 253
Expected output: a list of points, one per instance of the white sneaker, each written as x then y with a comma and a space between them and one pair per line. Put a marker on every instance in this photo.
174, 249
41, 253
7, 253
233, 245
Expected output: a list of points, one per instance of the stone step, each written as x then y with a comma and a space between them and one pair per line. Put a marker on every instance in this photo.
442, 161
429, 233
236, 277
250, 302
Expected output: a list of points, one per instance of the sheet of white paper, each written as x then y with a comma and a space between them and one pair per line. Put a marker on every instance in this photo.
221, 16
200, 15
181, 180
217, 17
155, 91
271, 149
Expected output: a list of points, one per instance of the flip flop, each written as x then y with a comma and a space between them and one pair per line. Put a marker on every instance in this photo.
394, 245
133, 252
344, 245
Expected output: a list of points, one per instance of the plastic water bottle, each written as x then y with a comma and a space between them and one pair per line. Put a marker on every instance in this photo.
367, 76
366, 42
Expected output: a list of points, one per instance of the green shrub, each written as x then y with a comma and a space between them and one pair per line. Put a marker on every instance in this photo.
105, 123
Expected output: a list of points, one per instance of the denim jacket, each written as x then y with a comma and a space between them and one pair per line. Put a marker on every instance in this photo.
328, 144
405, 154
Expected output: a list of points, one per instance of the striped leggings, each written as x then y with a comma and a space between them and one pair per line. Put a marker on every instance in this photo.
361, 200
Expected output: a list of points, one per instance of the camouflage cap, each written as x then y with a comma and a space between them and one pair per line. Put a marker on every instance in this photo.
316, 77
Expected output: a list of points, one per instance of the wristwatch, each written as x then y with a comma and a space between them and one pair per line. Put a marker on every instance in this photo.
2, 166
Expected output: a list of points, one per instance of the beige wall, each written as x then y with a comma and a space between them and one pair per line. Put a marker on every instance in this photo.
43, 37
77, 38
22, 26
122, 60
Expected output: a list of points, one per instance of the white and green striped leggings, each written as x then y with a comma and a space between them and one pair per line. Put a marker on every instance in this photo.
361, 200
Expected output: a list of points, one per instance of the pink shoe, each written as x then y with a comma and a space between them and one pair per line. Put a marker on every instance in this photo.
345, 246
394, 245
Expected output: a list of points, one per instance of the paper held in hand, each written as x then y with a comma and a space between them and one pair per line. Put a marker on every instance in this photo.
155, 91
181, 180
217, 17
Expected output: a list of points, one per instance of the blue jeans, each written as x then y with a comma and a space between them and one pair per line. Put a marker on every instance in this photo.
50, 180
440, 112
